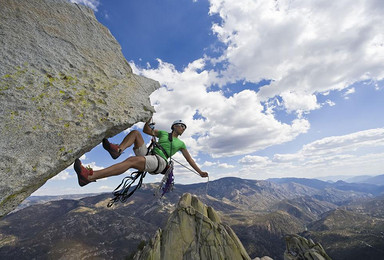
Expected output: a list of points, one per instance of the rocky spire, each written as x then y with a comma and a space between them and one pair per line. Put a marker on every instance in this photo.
301, 248
64, 86
193, 231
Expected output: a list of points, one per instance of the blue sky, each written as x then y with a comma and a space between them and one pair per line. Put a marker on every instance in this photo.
268, 88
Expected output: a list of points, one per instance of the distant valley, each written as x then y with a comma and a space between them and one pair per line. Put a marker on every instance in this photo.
346, 218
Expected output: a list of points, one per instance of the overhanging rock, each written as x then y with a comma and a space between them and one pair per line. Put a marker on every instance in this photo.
64, 85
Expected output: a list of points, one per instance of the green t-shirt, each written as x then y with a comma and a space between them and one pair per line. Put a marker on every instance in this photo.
177, 144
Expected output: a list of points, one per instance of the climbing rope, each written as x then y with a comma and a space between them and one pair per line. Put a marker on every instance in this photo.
195, 172
122, 192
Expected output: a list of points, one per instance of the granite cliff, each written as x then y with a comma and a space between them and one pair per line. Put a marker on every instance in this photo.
64, 85
193, 231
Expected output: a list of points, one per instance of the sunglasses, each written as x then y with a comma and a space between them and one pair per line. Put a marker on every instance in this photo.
181, 125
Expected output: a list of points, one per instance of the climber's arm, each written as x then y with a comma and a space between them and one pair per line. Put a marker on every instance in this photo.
192, 162
148, 130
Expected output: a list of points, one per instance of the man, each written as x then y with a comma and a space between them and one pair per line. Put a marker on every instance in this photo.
153, 164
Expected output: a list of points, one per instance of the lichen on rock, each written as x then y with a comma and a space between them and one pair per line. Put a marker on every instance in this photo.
194, 231
64, 85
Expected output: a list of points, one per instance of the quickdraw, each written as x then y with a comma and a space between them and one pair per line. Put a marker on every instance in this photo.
167, 183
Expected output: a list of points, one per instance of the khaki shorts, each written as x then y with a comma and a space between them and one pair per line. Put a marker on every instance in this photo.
151, 161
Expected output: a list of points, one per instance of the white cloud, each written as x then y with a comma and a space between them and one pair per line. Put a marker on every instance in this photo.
226, 166
378, 85
349, 92
252, 160
228, 125
335, 147
357, 153
62, 176
305, 47
346, 143
105, 188
69, 173
93, 4
330, 103
209, 164
94, 166
294, 101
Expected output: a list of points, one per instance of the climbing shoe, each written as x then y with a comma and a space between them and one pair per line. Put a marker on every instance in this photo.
113, 149
82, 173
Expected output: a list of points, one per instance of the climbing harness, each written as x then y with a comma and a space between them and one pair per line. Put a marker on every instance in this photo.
124, 191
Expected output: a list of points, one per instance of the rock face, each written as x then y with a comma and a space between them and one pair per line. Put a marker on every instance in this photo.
193, 231
301, 248
64, 85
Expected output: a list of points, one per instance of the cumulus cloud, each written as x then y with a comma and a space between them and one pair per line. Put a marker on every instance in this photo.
349, 92
330, 103
62, 176
217, 125
94, 166
335, 148
294, 101
304, 47
346, 143
252, 160
219, 165
226, 166
355, 153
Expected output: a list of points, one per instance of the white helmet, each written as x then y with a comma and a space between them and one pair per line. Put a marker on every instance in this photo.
179, 122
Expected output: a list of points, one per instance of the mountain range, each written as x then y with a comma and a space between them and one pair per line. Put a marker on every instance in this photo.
372, 179
347, 219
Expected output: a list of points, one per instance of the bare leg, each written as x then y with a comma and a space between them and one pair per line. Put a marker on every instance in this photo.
134, 137
137, 162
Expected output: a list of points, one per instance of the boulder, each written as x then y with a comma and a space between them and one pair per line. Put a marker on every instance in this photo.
193, 231
64, 86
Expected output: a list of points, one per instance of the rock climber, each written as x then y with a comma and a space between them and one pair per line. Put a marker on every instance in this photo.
154, 163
